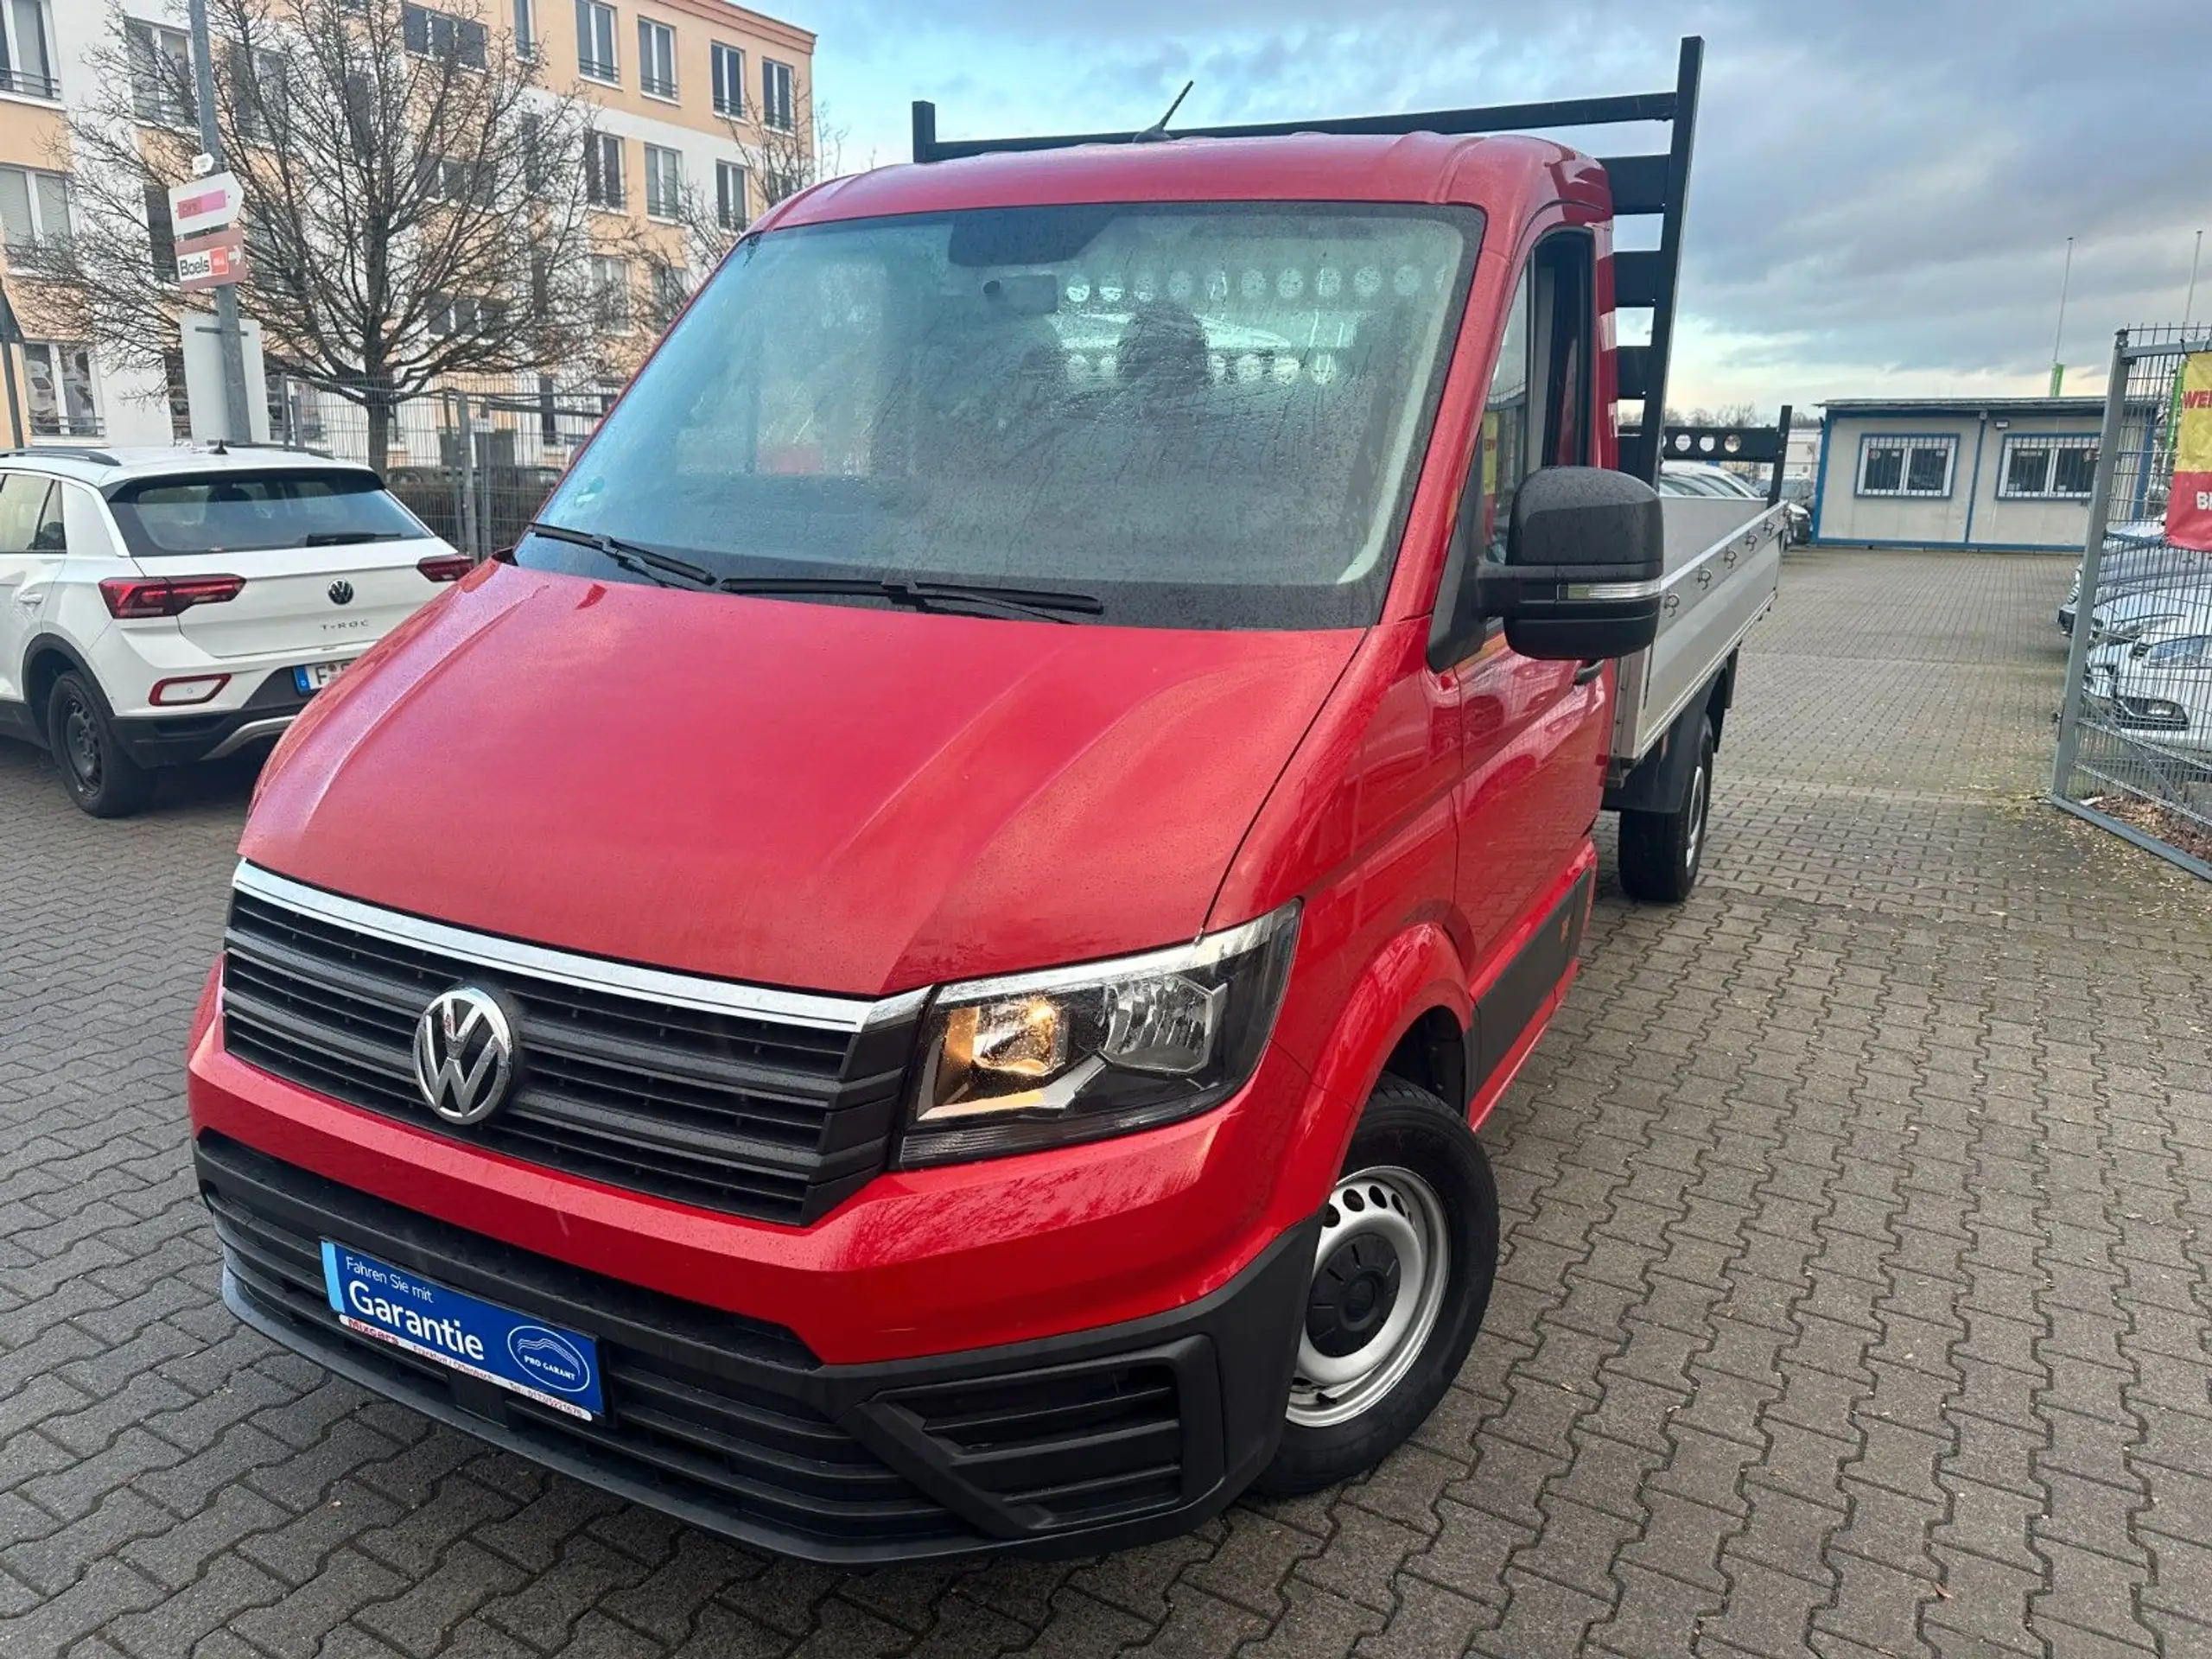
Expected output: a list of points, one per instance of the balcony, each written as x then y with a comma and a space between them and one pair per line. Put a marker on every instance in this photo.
657, 86
29, 83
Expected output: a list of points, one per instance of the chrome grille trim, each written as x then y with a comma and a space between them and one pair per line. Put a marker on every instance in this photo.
601, 974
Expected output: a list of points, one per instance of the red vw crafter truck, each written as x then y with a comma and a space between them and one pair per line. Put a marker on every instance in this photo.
916, 969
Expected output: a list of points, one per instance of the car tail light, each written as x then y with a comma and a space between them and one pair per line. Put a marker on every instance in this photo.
445, 566
134, 597
189, 689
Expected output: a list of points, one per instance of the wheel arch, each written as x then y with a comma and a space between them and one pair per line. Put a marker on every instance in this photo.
1405, 1015
46, 659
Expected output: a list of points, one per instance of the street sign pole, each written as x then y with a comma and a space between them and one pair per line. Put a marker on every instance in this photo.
236, 419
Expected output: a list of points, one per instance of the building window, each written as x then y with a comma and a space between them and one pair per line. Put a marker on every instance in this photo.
603, 170
26, 53
437, 35
34, 209
729, 80
2042, 466
452, 314
776, 95
160, 232
610, 290
526, 30
1915, 466
656, 58
672, 288
258, 92
472, 181
730, 204
160, 73
664, 181
595, 40
60, 390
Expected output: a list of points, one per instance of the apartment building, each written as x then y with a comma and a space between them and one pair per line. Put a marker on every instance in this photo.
689, 93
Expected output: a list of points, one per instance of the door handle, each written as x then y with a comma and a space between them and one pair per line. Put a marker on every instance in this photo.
1590, 670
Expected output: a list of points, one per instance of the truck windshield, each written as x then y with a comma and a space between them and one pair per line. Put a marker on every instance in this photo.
1203, 415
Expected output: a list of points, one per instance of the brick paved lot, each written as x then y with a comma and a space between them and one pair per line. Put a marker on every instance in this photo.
1856, 1300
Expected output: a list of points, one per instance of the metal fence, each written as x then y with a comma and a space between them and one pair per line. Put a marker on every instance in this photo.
2135, 730
473, 464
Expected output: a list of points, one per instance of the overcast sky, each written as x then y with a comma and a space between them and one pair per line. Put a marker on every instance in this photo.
1883, 189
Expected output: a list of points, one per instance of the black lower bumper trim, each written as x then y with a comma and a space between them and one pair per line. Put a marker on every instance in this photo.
1095, 1440
181, 738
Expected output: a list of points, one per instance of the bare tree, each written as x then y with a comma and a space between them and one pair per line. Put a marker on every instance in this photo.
778, 162
416, 199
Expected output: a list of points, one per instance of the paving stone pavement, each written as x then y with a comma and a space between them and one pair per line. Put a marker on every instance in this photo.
1856, 1301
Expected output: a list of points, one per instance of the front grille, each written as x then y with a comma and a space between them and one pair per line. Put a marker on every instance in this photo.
692, 1412
1082, 1445
738, 1112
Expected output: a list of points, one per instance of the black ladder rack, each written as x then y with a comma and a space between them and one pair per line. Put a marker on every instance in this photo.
1643, 186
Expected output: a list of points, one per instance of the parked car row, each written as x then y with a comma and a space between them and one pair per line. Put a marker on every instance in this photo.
1698, 477
2148, 669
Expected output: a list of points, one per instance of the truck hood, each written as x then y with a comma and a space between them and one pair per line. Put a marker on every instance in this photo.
816, 796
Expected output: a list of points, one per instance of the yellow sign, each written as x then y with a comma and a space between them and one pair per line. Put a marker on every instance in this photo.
2188, 502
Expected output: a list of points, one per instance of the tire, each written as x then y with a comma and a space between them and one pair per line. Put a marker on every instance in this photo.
1421, 1157
1661, 851
81, 734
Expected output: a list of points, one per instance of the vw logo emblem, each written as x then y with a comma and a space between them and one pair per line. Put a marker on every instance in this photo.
341, 592
464, 1055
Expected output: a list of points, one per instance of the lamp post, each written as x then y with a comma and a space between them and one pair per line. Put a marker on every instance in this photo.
2065, 280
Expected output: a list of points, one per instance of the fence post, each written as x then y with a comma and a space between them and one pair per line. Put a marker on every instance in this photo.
2077, 644
471, 543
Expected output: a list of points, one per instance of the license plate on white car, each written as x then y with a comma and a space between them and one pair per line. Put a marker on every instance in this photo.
315, 676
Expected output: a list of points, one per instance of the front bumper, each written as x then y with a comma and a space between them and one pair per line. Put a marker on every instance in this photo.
1094, 1441
188, 735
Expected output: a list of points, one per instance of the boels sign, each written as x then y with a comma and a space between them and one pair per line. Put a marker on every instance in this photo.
211, 243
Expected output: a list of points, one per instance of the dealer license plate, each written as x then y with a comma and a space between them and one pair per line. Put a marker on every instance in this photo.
315, 676
555, 1367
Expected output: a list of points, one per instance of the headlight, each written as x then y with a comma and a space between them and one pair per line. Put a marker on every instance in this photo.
1043, 1059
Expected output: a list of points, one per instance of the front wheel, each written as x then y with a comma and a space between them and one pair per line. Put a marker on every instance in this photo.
1402, 1277
1660, 851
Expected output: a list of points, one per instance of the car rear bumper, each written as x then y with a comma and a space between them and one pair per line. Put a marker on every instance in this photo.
1091, 1440
188, 735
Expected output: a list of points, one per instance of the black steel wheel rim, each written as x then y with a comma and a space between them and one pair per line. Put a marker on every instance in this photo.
80, 742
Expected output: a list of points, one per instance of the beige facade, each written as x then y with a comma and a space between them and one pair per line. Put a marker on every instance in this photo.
662, 105
2004, 474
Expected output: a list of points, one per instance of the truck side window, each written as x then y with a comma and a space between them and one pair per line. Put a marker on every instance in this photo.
1562, 306
1538, 412
1505, 424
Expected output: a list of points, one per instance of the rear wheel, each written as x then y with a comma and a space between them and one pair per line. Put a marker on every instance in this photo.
1402, 1277
100, 777
1661, 851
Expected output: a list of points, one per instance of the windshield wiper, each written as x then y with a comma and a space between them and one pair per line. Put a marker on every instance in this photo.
1043, 604
640, 561
347, 537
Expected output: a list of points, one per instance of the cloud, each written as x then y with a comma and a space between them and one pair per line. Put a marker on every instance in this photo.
1883, 188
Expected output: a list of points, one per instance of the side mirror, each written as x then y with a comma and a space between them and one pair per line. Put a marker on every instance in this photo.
1584, 554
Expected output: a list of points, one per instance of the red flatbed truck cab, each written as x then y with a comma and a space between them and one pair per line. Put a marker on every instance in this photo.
915, 972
